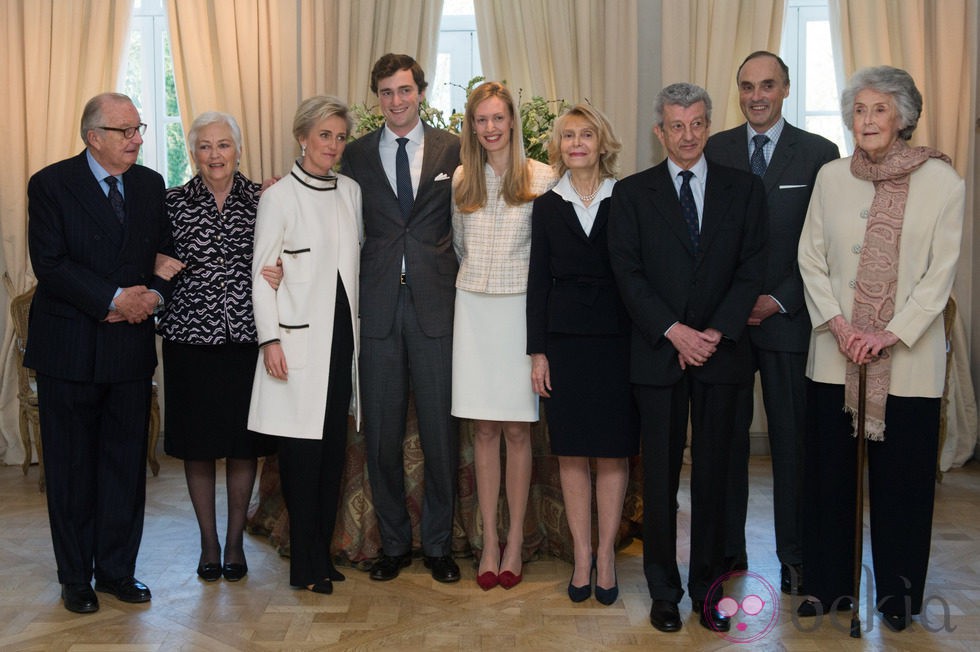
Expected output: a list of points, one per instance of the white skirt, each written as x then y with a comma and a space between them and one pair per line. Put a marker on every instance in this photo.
491, 369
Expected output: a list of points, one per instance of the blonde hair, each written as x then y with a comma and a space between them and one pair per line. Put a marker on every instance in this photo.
319, 107
471, 190
606, 142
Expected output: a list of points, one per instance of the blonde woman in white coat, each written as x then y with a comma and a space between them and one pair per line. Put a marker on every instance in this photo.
307, 332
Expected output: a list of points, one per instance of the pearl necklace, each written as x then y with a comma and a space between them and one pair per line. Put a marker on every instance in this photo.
586, 199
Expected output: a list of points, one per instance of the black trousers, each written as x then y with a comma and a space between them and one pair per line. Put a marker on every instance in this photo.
94, 437
901, 491
783, 375
663, 433
311, 470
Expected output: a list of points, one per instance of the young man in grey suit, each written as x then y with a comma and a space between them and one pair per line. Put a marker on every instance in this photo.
787, 159
687, 243
96, 222
408, 276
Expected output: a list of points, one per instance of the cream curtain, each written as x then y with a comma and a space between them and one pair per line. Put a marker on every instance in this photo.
704, 41
257, 59
933, 41
56, 55
567, 49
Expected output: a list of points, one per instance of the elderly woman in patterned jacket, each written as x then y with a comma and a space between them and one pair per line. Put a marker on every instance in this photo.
209, 339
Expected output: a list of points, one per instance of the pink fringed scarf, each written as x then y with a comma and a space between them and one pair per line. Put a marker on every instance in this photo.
877, 274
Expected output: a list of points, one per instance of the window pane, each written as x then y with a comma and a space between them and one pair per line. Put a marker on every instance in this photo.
178, 168
170, 86
828, 126
133, 85
821, 84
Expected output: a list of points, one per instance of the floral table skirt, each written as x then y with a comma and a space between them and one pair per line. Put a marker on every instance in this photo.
357, 541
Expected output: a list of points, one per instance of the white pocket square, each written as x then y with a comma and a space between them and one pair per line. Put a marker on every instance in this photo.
442, 176
789, 187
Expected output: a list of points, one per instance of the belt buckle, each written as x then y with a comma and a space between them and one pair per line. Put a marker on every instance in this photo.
401, 279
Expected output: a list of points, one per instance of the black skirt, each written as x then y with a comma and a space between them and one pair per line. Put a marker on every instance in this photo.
207, 392
591, 412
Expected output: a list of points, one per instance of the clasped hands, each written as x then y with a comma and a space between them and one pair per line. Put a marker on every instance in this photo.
134, 304
858, 346
694, 347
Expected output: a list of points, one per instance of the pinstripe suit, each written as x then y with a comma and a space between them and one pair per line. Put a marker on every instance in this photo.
93, 376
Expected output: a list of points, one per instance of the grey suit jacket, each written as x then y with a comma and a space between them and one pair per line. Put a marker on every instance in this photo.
788, 182
425, 240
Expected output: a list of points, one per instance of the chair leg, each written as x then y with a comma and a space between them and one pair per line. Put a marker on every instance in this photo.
25, 440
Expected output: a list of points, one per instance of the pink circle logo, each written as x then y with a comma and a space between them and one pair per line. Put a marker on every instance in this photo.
749, 601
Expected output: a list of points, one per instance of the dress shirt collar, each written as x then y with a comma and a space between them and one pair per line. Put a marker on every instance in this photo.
101, 173
415, 136
565, 190
700, 170
773, 132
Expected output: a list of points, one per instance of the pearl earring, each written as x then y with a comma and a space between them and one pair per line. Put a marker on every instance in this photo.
302, 151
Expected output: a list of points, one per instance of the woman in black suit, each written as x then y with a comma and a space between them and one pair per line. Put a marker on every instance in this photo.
578, 340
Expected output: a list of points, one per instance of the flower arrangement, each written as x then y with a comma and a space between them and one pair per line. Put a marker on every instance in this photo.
537, 117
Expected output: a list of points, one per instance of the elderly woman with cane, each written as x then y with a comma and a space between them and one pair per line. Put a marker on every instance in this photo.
878, 256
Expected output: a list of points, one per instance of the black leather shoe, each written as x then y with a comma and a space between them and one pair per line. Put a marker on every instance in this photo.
710, 617
791, 579
79, 598
386, 568
127, 589
736, 563
234, 572
444, 569
812, 608
895, 622
324, 586
665, 616
209, 572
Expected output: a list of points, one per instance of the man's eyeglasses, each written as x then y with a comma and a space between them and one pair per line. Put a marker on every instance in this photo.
127, 132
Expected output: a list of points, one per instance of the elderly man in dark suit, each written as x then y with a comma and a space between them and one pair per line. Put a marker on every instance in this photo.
687, 241
408, 274
787, 159
96, 223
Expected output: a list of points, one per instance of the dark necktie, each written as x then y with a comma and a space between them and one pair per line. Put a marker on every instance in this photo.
116, 199
403, 179
758, 160
689, 209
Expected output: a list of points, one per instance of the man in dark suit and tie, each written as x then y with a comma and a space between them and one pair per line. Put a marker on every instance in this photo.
687, 241
96, 223
787, 159
408, 276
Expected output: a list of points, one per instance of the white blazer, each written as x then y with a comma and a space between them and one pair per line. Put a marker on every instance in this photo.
316, 233
830, 247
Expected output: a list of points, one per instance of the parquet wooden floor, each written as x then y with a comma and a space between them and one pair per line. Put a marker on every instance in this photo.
415, 613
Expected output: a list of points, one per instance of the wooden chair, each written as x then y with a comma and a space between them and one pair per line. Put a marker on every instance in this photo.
20, 307
949, 318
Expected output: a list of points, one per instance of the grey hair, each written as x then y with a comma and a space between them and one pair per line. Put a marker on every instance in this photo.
681, 94
319, 107
214, 118
890, 81
92, 113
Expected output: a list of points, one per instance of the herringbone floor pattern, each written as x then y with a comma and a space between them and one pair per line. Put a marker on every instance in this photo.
415, 613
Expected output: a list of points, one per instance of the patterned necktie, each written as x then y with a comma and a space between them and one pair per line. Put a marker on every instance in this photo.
116, 198
689, 209
403, 179
758, 160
